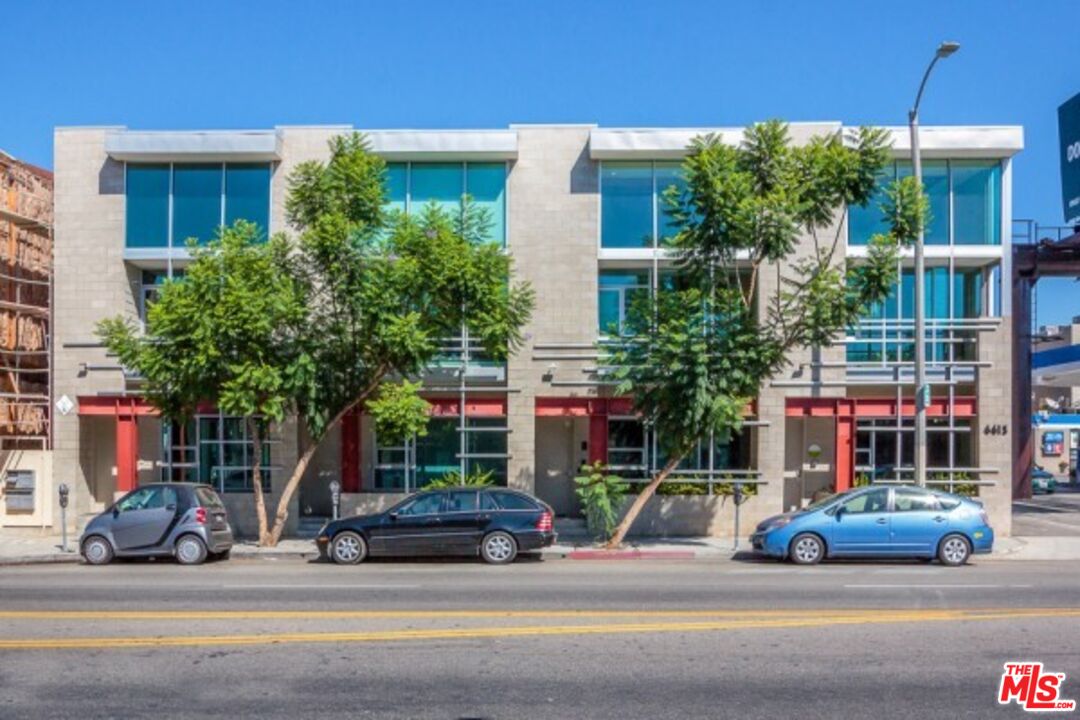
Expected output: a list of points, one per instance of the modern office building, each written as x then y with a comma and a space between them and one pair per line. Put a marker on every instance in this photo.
578, 208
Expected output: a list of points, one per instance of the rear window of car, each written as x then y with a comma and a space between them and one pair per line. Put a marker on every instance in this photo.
513, 501
948, 503
208, 498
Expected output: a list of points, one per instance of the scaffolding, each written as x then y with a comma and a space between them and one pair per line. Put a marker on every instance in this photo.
26, 242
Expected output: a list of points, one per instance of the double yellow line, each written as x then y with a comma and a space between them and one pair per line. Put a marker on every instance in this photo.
724, 620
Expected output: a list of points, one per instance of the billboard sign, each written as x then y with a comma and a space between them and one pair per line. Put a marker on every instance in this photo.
1069, 132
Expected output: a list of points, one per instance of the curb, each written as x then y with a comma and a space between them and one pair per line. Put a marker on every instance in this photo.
54, 559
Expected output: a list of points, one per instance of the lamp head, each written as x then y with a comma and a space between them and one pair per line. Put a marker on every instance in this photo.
947, 48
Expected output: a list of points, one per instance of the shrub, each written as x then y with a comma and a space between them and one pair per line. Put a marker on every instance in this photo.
601, 495
477, 478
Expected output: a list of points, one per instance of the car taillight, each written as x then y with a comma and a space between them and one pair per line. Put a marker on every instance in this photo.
544, 523
200, 515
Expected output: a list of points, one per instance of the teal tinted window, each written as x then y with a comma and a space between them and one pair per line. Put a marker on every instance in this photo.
936, 185
668, 175
147, 216
486, 439
437, 452
486, 185
397, 185
626, 205
196, 202
247, 194
967, 293
977, 202
865, 222
440, 183
617, 291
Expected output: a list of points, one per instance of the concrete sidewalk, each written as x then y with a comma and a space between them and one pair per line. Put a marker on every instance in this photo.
23, 549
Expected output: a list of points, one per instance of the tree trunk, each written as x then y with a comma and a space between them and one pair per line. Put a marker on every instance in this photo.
302, 462
639, 503
256, 479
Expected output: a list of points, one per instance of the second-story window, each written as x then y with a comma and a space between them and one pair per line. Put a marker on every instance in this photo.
965, 203
169, 203
633, 213
411, 186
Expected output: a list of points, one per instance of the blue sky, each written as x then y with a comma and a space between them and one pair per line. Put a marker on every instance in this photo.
487, 63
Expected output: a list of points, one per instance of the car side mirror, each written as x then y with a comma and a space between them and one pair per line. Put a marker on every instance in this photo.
393, 516
838, 511
115, 512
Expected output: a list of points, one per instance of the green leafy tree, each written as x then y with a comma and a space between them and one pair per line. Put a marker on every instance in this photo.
696, 354
226, 334
378, 292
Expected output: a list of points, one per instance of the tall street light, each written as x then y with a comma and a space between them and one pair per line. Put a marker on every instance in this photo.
922, 388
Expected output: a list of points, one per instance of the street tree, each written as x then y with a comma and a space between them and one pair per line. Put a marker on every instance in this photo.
696, 352
225, 335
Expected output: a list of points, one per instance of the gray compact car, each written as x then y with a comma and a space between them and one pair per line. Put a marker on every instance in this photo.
181, 519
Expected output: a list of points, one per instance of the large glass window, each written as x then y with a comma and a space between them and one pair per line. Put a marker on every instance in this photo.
634, 451
412, 464
411, 186
247, 194
627, 205
977, 202
216, 450
198, 197
147, 206
197, 191
965, 203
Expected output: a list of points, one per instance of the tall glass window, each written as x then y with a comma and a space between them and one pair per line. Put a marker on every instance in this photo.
247, 194
977, 201
965, 203
216, 450
147, 216
197, 191
668, 175
410, 465
627, 205
411, 186
618, 289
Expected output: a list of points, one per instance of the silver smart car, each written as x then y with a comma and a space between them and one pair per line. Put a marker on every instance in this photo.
161, 519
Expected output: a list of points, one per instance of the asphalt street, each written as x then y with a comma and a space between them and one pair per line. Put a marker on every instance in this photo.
1056, 514
555, 639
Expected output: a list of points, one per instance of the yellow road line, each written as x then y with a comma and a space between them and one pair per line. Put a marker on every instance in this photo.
465, 614
520, 631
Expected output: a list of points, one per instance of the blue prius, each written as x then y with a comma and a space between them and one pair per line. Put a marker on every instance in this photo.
879, 521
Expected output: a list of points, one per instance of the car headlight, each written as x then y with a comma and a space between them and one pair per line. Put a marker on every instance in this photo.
774, 524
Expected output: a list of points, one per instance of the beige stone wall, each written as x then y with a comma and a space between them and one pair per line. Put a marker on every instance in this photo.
91, 283
553, 210
994, 407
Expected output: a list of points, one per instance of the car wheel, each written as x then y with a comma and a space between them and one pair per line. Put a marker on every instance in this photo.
807, 549
498, 548
97, 551
190, 550
954, 550
348, 548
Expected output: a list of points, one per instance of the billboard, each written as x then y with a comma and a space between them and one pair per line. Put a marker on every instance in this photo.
1069, 132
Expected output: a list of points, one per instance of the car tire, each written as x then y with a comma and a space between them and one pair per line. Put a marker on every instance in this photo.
954, 550
498, 548
348, 548
190, 550
806, 549
97, 551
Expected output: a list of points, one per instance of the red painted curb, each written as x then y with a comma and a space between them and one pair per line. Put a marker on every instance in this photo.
631, 555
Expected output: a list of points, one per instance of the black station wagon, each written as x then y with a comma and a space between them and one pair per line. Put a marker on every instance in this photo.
494, 523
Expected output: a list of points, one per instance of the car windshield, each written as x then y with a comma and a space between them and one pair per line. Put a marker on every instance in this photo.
822, 502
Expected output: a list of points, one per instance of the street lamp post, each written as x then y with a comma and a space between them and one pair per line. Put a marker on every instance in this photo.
922, 388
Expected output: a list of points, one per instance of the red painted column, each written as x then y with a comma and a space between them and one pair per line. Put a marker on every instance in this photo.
350, 451
127, 453
845, 452
598, 433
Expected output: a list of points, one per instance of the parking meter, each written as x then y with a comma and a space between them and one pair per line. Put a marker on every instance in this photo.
63, 492
335, 496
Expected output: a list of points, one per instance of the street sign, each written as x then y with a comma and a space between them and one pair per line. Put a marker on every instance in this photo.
1069, 133
65, 404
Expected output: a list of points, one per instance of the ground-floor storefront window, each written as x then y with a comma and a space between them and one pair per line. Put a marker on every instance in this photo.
448, 448
214, 449
635, 451
885, 449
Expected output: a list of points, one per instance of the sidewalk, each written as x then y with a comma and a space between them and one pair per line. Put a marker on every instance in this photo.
20, 549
